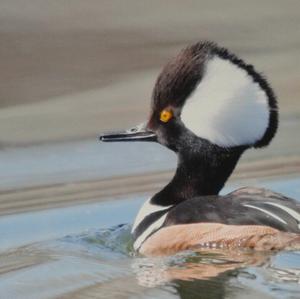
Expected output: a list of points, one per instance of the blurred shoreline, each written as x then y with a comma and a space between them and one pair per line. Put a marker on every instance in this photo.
72, 70
52, 196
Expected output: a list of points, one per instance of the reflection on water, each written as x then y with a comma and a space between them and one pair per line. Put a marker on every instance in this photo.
202, 274
189, 266
100, 264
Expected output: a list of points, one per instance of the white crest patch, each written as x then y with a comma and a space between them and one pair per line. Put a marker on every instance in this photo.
147, 209
228, 108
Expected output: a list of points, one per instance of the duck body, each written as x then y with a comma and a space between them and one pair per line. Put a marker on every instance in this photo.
209, 106
246, 218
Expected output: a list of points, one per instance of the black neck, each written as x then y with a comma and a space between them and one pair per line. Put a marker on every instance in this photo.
199, 173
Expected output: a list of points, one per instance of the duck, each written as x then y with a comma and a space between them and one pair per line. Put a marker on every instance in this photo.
209, 106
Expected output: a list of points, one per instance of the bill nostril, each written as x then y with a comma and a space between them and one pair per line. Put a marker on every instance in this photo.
133, 130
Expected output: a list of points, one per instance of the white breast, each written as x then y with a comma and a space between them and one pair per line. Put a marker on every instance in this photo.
152, 228
147, 209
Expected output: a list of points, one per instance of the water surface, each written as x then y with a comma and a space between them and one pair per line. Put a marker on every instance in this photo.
86, 252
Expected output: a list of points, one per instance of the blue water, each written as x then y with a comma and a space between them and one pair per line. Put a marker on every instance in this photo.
72, 161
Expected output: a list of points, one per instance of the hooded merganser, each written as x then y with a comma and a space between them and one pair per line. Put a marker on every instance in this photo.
209, 106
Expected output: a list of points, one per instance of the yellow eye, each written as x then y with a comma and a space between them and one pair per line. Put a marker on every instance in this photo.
166, 115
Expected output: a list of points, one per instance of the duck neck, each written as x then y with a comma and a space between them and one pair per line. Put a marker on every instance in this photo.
199, 173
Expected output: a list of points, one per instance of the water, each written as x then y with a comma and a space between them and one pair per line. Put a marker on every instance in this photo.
86, 252
69, 162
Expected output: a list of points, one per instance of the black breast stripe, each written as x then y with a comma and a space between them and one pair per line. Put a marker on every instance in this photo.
147, 221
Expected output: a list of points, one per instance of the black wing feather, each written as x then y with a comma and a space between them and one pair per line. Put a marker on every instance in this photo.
246, 206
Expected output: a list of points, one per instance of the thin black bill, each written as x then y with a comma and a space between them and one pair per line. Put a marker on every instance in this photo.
138, 133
